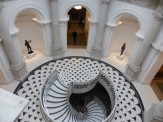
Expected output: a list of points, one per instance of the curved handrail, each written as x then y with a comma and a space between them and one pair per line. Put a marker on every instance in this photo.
114, 99
49, 80
101, 77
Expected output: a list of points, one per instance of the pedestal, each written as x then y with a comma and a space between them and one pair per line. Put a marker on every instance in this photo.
31, 55
120, 57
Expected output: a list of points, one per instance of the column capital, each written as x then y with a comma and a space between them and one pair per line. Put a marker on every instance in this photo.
45, 22
106, 1
111, 26
158, 48
1, 8
158, 14
140, 37
15, 31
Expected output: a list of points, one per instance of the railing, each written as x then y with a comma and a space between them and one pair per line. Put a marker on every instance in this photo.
101, 78
43, 93
100, 103
80, 116
82, 87
105, 81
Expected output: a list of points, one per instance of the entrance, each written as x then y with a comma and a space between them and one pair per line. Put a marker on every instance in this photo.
157, 84
79, 25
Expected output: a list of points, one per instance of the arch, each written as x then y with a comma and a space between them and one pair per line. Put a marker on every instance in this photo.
140, 20
15, 13
86, 5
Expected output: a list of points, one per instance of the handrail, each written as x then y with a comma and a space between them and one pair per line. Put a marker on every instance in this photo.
100, 103
114, 98
49, 80
102, 78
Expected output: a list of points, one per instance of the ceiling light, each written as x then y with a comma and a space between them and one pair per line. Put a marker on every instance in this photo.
77, 7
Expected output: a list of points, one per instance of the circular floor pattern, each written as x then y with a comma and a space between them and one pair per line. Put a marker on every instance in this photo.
129, 108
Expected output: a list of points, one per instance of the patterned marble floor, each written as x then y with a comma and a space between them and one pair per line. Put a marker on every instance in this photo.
129, 108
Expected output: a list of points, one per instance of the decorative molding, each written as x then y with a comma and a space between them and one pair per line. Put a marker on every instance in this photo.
158, 48
111, 26
140, 37
44, 22
134, 67
15, 31
105, 1
1, 8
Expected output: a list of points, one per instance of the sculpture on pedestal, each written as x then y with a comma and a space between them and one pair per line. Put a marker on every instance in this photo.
123, 48
28, 46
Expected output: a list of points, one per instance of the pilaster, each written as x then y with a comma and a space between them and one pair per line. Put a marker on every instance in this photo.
4, 66
63, 33
57, 45
107, 39
18, 66
47, 34
97, 47
92, 35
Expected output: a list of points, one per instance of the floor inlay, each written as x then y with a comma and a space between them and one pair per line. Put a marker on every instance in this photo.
129, 107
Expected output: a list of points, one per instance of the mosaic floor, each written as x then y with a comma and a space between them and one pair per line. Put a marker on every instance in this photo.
129, 108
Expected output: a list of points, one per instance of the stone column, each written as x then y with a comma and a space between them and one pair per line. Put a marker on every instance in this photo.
18, 66
152, 63
63, 33
107, 39
47, 34
155, 114
91, 35
142, 47
57, 45
97, 47
5, 66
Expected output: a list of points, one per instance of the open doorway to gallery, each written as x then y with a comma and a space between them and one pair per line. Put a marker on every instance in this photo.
78, 27
157, 84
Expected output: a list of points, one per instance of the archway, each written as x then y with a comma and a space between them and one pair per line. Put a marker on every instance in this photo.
27, 21
78, 26
126, 30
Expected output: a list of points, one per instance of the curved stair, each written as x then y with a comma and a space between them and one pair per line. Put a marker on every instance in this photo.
58, 107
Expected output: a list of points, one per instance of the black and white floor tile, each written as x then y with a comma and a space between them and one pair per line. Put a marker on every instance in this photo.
129, 109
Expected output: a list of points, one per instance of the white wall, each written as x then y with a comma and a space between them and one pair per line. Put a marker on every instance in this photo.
124, 32
30, 31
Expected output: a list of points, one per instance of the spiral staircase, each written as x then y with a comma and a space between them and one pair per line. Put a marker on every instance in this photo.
56, 106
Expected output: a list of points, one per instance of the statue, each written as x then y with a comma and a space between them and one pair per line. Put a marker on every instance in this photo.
123, 48
28, 46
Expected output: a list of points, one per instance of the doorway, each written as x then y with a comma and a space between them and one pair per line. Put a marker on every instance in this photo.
157, 84
78, 23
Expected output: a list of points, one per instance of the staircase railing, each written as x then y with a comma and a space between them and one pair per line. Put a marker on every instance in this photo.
102, 78
43, 95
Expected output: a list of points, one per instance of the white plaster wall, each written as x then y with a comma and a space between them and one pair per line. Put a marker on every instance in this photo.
30, 31
124, 33
144, 15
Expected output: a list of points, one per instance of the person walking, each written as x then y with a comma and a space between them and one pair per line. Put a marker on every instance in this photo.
74, 34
